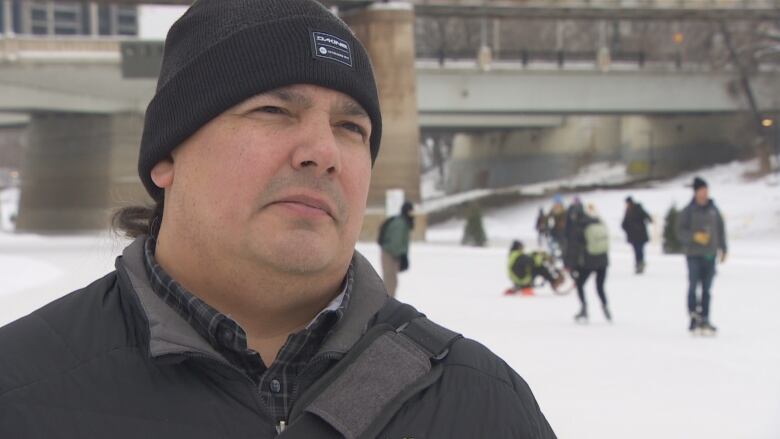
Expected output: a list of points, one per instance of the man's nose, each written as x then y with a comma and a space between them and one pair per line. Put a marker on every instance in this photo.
317, 148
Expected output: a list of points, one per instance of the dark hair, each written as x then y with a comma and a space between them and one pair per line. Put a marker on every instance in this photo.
406, 208
516, 245
134, 221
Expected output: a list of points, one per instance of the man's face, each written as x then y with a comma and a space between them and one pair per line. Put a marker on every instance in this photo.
280, 179
702, 195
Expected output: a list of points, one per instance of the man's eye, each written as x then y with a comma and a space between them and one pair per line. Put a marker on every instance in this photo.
354, 127
270, 109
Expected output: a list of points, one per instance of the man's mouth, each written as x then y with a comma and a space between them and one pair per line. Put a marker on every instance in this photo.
306, 205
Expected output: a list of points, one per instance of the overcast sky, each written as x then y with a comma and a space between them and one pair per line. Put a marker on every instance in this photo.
154, 21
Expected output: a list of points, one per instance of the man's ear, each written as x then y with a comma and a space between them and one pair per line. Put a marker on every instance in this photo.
162, 173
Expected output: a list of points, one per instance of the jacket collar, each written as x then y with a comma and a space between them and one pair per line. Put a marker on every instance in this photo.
169, 333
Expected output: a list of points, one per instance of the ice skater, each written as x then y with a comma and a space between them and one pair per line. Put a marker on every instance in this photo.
589, 253
702, 231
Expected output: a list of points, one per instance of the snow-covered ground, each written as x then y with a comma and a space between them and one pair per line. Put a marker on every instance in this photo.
641, 377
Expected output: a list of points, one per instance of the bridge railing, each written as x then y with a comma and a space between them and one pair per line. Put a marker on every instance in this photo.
72, 49
665, 4
521, 59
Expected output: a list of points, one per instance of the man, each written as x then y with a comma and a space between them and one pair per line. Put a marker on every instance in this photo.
524, 268
394, 243
635, 225
702, 232
242, 309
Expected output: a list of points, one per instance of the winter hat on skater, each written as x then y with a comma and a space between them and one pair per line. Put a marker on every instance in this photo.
222, 52
698, 183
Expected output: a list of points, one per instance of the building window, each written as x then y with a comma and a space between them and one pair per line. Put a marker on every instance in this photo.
67, 19
38, 14
86, 24
38, 17
127, 20
16, 6
65, 31
104, 20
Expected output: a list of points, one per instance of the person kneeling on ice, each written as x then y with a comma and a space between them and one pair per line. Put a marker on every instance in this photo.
525, 267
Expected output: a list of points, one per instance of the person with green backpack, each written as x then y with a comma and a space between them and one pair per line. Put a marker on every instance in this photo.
394, 242
592, 257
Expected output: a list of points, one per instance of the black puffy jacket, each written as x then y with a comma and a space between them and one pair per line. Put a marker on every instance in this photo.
113, 361
635, 224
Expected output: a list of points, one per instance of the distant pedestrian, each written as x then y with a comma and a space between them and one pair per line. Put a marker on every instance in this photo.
702, 232
556, 221
590, 254
572, 233
542, 227
394, 241
635, 224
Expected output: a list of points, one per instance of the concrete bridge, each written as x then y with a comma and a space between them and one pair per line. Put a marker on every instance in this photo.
85, 109
86, 76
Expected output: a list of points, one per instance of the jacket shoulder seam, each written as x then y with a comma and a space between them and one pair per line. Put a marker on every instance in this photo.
482, 372
56, 334
65, 371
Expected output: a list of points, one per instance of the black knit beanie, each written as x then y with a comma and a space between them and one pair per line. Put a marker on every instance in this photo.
698, 183
222, 52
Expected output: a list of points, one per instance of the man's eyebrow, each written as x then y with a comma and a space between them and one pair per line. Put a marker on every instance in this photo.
288, 95
352, 108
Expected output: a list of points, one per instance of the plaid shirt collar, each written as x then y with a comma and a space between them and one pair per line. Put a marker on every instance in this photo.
278, 384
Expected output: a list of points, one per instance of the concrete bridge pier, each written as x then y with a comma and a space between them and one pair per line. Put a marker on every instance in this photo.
76, 169
387, 32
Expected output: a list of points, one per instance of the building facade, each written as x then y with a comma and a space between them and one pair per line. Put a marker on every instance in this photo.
62, 18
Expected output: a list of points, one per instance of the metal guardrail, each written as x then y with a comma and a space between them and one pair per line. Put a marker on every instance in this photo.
590, 9
68, 49
665, 4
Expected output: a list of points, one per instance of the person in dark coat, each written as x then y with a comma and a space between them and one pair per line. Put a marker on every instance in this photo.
702, 231
572, 238
242, 309
635, 225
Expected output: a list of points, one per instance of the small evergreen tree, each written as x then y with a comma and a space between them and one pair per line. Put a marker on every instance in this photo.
671, 243
474, 232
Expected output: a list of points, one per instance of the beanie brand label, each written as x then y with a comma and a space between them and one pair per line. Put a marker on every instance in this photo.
332, 48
